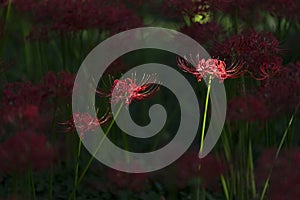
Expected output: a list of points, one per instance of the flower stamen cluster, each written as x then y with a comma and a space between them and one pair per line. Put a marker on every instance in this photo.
129, 89
213, 68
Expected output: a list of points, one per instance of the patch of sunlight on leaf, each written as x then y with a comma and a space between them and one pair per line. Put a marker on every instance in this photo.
202, 18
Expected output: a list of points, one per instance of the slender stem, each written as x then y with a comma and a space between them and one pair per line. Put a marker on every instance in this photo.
52, 139
203, 193
31, 180
77, 167
28, 184
63, 53
205, 114
252, 177
277, 153
197, 193
96, 151
225, 187
7, 16
51, 182
203, 132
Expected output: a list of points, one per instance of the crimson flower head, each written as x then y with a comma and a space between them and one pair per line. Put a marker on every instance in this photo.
85, 122
258, 51
129, 89
213, 68
25, 150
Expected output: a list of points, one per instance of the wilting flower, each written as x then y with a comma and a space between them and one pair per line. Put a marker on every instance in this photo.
213, 68
25, 150
259, 52
85, 122
129, 89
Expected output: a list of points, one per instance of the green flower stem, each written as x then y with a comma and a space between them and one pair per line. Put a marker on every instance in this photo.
77, 167
32, 185
205, 113
52, 139
7, 18
277, 153
96, 151
251, 166
51, 182
203, 131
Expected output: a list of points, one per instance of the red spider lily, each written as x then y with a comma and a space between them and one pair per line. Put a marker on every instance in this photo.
209, 68
266, 70
259, 52
283, 8
59, 85
25, 150
69, 16
279, 104
129, 90
84, 122
264, 102
22, 105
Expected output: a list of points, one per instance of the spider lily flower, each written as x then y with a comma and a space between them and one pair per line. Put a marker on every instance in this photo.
266, 71
213, 68
85, 122
129, 89
259, 52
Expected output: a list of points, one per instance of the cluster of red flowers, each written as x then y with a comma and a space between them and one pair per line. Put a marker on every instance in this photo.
25, 113
259, 52
20, 105
246, 10
125, 91
58, 85
64, 16
265, 102
285, 175
283, 8
25, 150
